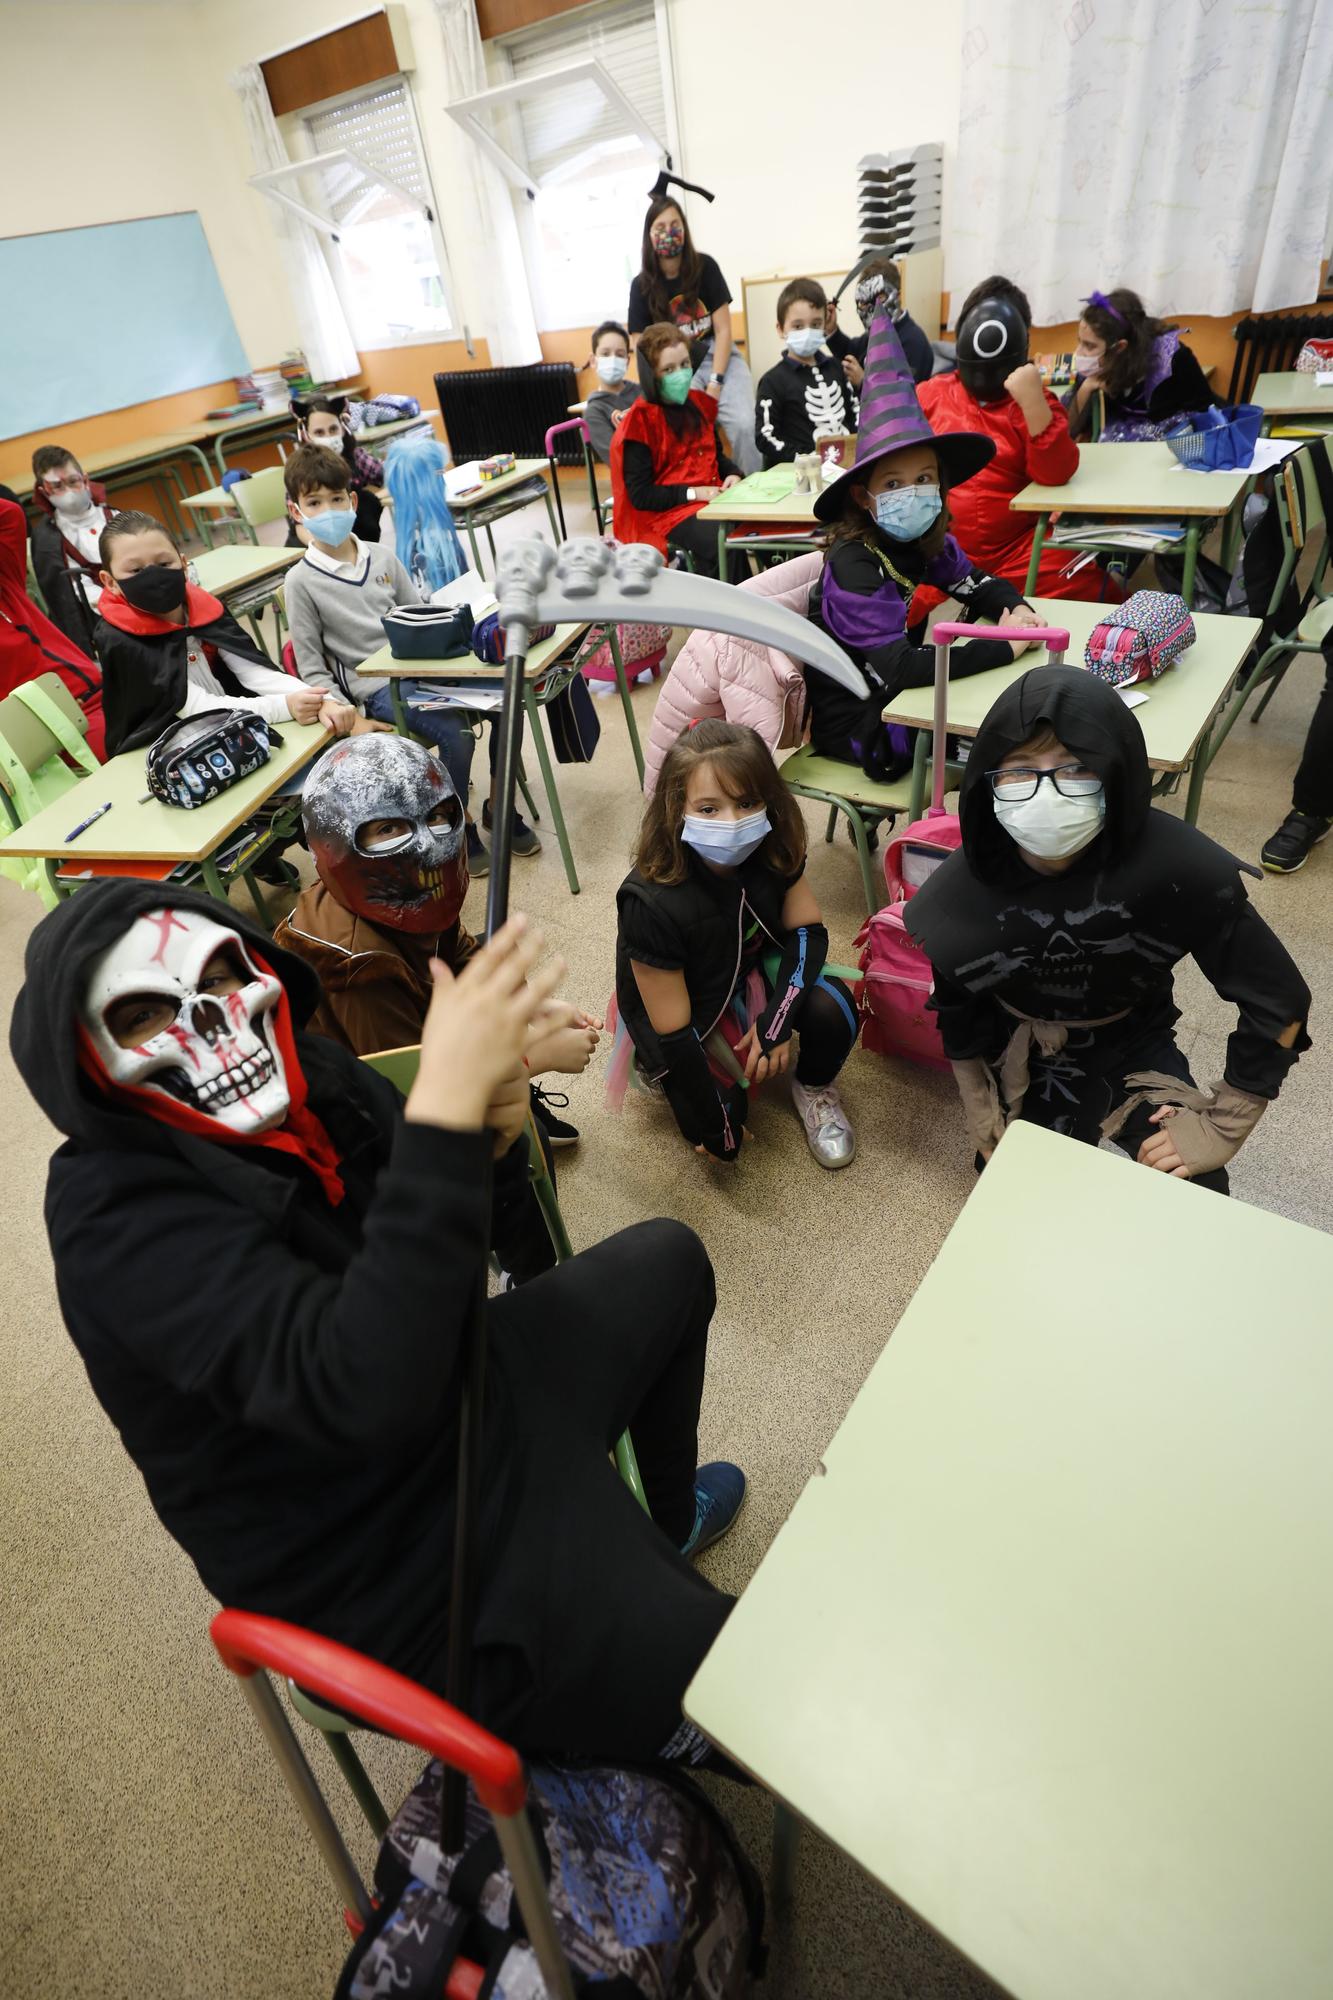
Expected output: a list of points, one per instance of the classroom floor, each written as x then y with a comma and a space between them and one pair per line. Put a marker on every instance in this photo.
148, 1848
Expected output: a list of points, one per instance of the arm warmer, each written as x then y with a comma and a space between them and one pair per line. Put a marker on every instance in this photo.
801, 964
703, 1115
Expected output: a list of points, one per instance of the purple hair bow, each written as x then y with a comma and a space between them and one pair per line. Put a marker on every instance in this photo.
1100, 299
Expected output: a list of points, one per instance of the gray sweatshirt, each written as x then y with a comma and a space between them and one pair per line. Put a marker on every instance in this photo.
335, 613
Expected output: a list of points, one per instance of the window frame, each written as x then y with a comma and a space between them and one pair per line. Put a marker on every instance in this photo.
468, 112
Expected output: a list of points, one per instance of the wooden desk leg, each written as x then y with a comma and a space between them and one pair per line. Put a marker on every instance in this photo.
622, 682
782, 1873
1193, 533
532, 711
1034, 560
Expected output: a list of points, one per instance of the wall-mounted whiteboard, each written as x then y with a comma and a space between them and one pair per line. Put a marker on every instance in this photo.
95, 319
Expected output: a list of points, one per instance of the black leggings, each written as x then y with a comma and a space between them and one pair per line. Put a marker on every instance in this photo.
1073, 1091
593, 1624
698, 539
826, 1034
1313, 790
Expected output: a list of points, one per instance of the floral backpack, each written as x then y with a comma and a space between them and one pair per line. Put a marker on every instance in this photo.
1139, 639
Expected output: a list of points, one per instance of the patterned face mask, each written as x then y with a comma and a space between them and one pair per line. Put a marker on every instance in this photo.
868, 295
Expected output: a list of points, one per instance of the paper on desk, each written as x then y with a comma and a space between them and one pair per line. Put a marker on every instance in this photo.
1132, 697
459, 478
469, 589
1323, 378
483, 700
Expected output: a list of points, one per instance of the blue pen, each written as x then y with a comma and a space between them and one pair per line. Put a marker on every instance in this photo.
84, 824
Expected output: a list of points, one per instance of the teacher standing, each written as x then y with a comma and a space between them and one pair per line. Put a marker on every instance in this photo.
682, 286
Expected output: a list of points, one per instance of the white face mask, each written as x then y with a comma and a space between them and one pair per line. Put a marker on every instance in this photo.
1050, 825
805, 341
611, 368
74, 500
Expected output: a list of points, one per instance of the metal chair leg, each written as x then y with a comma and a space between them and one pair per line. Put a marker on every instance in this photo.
832, 826
552, 795
628, 706
1274, 683
357, 1779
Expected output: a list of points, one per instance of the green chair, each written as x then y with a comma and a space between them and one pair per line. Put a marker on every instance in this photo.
42, 734
247, 504
844, 789
1299, 485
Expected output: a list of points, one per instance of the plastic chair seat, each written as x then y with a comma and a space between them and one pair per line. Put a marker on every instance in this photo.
1317, 622
829, 777
213, 496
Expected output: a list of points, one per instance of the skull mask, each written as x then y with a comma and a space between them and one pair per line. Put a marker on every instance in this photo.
179, 1006
870, 291
385, 827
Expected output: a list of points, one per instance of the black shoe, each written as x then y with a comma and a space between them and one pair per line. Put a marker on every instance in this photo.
276, 873
1289, 848
523, 839
478, 860
559, 1132
872, 822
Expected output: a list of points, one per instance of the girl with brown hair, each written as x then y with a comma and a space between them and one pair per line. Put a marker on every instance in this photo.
720, 935
667, 459
1141, 367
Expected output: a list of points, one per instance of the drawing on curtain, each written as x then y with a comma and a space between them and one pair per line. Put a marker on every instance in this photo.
1176, 146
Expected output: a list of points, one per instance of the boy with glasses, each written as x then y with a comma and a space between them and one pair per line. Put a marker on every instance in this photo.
71, 512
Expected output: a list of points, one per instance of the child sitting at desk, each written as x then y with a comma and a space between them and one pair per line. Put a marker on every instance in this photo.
417, 526
168, 648
71, 514
324, 420
667, 459
1140, 366
608, 403
877, 284
806, 396
30, 644
1054, 933
890, 533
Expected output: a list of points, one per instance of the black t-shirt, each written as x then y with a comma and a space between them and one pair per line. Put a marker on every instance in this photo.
692, 310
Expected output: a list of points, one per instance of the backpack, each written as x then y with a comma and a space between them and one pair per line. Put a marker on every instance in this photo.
1139, 639
641, 647
895, 981
1315, 357
649, 1894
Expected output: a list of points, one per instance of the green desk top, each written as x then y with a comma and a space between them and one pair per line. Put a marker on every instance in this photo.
759, 498
1048, 1648
132, 831
1134, 479
374, 433
490, 489
1179, 705
465, 667
1292, 394
119, 457
223, 570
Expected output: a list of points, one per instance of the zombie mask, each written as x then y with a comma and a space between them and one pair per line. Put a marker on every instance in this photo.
385, 827
871, 291
178, 1005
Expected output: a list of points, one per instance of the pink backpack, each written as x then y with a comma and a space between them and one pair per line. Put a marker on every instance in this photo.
641, 647
895, 982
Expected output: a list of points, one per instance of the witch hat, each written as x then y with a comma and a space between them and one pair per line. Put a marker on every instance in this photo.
892, 418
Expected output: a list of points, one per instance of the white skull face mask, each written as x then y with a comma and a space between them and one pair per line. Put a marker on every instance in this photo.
179, 1006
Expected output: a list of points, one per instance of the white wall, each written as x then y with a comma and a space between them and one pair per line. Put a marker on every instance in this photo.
778, 99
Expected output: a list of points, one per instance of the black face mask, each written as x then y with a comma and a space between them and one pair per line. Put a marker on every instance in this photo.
157, 589
992, 342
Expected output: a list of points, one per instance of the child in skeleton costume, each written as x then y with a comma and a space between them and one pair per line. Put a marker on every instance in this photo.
268, 1264
385, 830
1054, 932
806, 396
890, 533
721, 940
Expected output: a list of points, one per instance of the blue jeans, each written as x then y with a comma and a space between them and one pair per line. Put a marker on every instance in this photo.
735, 408
444, 727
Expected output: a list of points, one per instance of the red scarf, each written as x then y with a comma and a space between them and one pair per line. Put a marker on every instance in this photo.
200, 609
301, 1133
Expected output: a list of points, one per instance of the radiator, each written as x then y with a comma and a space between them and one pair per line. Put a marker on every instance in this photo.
489, 410
1269, 344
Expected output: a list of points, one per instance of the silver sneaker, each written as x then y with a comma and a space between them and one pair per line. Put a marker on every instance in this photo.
828, 1131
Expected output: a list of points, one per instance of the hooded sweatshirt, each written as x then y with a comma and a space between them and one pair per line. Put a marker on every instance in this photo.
1106, 934
283, 1371
30, 645
156, 670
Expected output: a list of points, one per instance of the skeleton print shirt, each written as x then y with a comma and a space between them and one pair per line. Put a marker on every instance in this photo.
795, 404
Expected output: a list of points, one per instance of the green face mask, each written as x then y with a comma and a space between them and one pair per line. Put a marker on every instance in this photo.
675, 385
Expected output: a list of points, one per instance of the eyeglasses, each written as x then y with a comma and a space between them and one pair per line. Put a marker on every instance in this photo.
70, 484
1072, 781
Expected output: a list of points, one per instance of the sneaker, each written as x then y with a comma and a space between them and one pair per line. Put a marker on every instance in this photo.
719, 1495
559, 1132
478, 860
523, 839
1289, 848
828, 1132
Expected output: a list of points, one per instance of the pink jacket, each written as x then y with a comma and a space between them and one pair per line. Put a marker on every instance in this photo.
737, 680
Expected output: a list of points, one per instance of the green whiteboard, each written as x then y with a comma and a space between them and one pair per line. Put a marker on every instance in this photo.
99, 318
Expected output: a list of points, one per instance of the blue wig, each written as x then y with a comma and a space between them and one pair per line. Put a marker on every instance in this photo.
424, 534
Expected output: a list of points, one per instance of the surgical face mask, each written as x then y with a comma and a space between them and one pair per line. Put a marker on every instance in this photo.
611, 368
669, 240
727, 842
675, 385
1050, 825
74, 500
907, 512
157, 589
1087, 364
331, 440
331, 528
804, 341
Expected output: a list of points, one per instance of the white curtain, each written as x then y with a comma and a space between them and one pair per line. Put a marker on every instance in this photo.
494, 255
1180, 147
330, 350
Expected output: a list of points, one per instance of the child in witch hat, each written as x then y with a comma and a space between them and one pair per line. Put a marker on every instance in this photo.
889, 518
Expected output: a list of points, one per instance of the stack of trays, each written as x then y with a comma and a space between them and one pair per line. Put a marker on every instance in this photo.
900, 200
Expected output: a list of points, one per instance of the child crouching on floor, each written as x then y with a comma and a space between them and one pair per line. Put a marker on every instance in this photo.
720, 936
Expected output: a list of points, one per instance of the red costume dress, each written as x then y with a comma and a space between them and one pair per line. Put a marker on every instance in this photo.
996, 538
677, 462
29, 643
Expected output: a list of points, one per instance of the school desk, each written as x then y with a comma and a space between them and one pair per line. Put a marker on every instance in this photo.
763, 498
1176, 717
267, 426
247, 578
1287, 397
139, 829
157, 460
551, 665
492, 499
1045, 1644
1136, 480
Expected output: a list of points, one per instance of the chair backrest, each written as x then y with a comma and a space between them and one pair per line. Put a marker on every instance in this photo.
263, 497
1303, 491
40, 724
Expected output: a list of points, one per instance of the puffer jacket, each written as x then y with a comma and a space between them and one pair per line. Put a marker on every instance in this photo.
737, 680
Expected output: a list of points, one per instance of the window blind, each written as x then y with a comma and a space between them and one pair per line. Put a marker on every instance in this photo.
557, 126
380, 128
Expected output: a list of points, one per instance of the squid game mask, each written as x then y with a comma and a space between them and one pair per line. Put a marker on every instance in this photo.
385, 828
179, 1006
992, 342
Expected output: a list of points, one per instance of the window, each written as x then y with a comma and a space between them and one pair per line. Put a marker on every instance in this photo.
369, 181
581, 123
